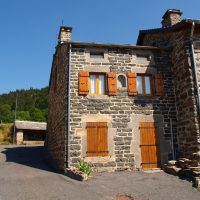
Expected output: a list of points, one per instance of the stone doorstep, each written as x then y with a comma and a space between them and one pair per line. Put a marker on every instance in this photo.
153, 170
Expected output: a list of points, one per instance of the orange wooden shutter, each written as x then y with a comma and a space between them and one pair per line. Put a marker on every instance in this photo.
112, 83
159, 85
83, 82
150, 151
132, 83
97, 139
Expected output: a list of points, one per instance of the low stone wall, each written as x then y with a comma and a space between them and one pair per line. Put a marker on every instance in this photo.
75, 174
186, 168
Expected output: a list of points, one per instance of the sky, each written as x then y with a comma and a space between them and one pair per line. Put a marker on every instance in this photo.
29, 31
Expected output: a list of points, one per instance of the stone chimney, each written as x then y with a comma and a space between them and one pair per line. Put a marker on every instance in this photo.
171, 17
65, 34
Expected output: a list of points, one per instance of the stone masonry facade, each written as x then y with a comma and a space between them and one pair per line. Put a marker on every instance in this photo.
178, 39
119, 110
175, 113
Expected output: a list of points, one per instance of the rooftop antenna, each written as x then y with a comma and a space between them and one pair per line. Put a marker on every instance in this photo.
62, 22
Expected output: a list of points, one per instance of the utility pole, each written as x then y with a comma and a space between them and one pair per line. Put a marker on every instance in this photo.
15, 117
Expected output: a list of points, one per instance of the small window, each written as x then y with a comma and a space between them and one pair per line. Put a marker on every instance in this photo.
97, 55
143, 58
97, 139
121, 81
144, 87
97, 84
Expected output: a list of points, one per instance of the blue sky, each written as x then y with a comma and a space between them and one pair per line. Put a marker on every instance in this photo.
29, 30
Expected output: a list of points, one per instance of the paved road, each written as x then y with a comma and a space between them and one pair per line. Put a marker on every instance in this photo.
24, 175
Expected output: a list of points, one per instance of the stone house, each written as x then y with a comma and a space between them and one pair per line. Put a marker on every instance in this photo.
126, 107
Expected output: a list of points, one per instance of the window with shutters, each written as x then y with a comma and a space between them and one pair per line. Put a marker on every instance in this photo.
97, 139
144, 85
97, 83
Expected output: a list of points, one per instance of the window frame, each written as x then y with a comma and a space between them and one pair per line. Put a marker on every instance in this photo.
97, 55
143, 58
144, 85
97, 74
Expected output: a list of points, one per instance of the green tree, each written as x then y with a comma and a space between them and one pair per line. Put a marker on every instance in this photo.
23, 115
5, 113
32, 105
37, 115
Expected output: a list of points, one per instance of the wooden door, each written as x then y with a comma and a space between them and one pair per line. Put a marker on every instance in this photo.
150, 151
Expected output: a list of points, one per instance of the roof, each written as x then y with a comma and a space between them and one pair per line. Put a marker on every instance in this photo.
108, 45
175, 27
29, 125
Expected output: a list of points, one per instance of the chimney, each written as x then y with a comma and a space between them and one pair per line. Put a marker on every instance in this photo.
65, 34
171, 17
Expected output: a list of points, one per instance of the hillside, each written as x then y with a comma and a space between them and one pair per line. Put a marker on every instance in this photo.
32, 105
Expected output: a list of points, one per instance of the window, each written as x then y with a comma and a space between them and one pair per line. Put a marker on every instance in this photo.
121, 81
144, 85
143, 58
97, 84
97, 55
97, 139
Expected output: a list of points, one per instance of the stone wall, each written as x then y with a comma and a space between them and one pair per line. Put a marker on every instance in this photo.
57, 116
121, 108
183, 79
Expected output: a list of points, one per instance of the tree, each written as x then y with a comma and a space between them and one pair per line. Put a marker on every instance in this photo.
6, 114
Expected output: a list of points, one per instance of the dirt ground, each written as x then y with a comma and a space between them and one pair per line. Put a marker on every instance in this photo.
25, 174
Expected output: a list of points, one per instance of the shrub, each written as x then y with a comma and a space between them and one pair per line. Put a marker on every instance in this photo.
84, 167
6, 133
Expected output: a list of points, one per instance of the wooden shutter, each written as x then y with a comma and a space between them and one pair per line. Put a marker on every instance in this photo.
97, 139
132, 83
150, 151
83, 82
159, 85
112, 83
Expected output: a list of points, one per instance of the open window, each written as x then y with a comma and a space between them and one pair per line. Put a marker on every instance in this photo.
97, 83
144, 85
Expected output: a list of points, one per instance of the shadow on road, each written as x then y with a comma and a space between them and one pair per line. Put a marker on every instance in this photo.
32, 156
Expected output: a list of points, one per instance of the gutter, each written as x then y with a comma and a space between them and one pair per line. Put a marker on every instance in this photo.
195, 68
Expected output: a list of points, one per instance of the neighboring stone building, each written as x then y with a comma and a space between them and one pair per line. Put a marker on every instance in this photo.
121, 106
28, 132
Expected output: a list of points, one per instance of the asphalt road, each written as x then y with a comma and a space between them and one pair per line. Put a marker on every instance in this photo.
25, 174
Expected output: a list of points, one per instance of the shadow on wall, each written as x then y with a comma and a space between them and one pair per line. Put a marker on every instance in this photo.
32, 156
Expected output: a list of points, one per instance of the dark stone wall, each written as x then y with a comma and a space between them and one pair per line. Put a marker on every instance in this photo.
57, 108
183, 79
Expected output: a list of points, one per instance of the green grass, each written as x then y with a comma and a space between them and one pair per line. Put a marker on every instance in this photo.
6, 133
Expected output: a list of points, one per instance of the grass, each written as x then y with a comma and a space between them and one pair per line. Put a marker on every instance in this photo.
6, 133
